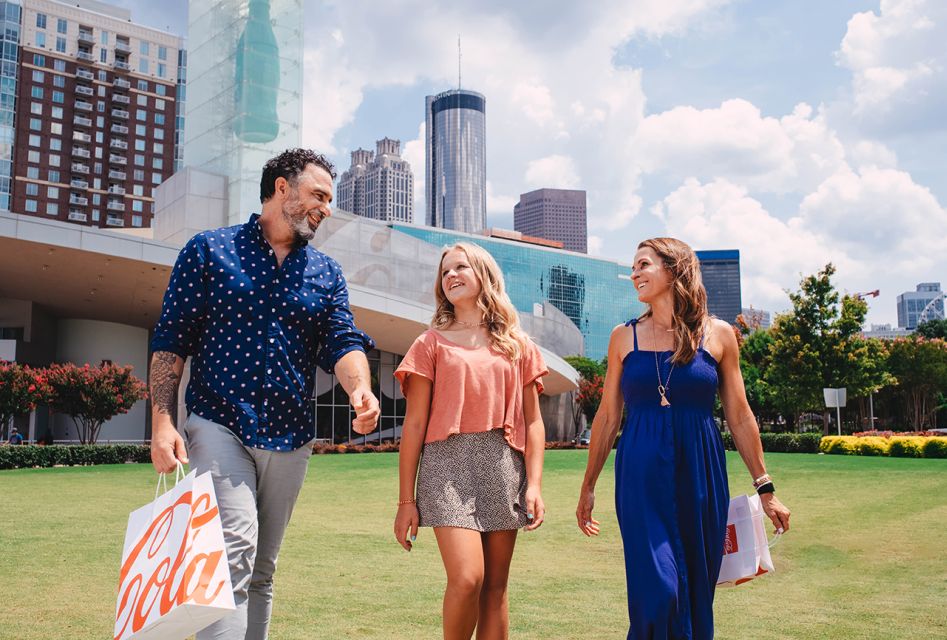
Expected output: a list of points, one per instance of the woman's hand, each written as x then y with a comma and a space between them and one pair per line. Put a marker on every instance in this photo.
406, 524
583, 513
535, 508
776, 511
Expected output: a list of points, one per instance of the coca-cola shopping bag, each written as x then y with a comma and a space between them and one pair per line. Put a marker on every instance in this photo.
175, 579
746, 550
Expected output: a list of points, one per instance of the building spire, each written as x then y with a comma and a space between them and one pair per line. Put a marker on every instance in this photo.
458, 62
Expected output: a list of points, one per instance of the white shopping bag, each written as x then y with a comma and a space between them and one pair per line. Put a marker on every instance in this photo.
175, 579
746, 550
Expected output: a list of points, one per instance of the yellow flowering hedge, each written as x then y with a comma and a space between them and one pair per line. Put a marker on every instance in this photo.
896, 446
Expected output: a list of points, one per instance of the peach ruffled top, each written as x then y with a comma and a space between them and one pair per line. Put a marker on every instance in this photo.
476, 389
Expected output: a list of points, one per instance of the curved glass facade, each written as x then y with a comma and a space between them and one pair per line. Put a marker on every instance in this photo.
456, 163
10, 39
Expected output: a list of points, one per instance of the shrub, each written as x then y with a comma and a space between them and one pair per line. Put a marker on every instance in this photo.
28, 456
791, 442
935, 448
906, 447
837, 445
871, 446
21, 389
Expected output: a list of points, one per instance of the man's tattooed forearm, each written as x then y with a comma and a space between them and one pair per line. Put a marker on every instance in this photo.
164, 382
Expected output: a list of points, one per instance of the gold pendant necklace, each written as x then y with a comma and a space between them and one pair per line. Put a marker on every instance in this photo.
662, 388
469, 325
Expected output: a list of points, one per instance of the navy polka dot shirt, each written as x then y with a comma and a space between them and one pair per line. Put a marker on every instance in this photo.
255, 332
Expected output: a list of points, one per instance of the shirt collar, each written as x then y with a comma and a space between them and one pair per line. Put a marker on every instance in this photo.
255, 229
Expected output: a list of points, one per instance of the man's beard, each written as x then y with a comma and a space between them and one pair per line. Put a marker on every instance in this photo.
298, 221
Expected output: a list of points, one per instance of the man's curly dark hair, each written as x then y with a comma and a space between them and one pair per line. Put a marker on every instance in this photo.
289, 165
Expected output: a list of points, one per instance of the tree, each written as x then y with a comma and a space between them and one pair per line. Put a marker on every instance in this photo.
590, 396
920, 366
586, 399
932, 329
93, 395
21, 389
754, 356
818, 344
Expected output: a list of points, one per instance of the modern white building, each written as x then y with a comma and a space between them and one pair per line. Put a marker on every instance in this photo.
912, 305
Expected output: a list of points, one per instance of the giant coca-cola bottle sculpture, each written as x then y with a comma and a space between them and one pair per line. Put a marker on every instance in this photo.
258, 76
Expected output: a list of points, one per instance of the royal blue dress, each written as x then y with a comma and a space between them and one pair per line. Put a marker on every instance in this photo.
671, 495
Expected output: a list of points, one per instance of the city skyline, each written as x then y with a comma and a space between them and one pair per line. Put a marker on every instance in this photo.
799, 134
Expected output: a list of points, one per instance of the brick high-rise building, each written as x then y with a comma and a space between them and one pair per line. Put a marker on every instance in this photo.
378, 185
97, 122
553, 214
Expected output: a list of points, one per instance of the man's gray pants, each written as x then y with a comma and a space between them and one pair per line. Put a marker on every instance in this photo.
256, 491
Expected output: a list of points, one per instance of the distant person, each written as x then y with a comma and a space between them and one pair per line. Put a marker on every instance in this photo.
15, 436
256, 308
473, 438
671, 492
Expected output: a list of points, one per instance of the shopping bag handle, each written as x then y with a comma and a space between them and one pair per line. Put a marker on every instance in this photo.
772, 543
162, 479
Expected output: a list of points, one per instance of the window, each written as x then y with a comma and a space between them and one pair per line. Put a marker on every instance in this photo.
97, 183
55, 144
96, 198
103, 76
59, 81
32, 189
143, 65
100, 121
136, 221
32, 173
155, 178
61, 26
158, 148
139, 145
52, 208
39, 60
98, 168
34, 140
33, 156
159, 104
100, 106
159, 118
40, 20
38, 76
96, 215
143, 49
59, 65
37, 92
57, 112
104, 39
142, 85
157, 163
30, 206
141, 114
162, 53
101, 91
139, 160
52, 192
36, 108
60, 44
103, 55
138, 205
161, 89
98, 137
159, 134
59, 97
36, 124
53, 175
98, 152
142, 100
141, 130
162, 70
139, 175
55, 128
55, 159
137, 189
40, 39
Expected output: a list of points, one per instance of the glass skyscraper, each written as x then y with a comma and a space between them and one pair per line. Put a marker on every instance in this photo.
720, 271
456, 163
10, 39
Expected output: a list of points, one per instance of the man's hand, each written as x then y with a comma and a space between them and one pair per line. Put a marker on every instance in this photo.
366, 410
167, 448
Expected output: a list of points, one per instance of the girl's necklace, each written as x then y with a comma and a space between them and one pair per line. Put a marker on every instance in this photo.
469, 325
662, 388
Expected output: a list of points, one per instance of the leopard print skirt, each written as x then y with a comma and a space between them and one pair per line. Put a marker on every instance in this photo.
472, 481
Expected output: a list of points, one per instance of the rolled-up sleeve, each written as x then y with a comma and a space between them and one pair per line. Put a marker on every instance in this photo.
184, 308
338, 334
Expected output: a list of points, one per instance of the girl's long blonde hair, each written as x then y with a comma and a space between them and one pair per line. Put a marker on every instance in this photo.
687, 288
499, 314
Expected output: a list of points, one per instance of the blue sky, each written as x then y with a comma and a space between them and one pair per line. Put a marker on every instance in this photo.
797, 132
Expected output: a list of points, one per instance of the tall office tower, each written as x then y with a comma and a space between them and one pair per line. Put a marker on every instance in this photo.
244, 89
911, 305
720, 271
378, 185
553, 214
95, 112
456, 162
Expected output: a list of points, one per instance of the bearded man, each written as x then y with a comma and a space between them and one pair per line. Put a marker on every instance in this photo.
256, 309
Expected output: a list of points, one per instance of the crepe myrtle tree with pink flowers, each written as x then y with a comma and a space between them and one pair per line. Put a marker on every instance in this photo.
93, 395
21, 389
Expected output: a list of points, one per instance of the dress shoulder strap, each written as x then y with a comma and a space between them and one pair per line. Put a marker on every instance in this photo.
633, 323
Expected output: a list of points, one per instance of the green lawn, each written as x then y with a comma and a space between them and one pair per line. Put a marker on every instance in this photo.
865, 558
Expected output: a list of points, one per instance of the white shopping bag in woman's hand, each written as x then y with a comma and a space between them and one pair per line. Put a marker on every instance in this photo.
746, 550
175, 579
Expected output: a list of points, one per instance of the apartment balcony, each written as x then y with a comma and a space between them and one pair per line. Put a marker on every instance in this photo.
78, 184
86, 91
123, 46
120, 160
117, 97
79, 152
85, 74
86, 56
122, 83
115, 221
120, 129
116, 175
115, 205
78, 216
122, 66
116, 190
78, 136
80, 168
115, 143
86, 37
78, 200
120, 113
79, 121
83, 106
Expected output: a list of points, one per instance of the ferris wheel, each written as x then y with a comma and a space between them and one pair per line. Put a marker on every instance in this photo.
931, 307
